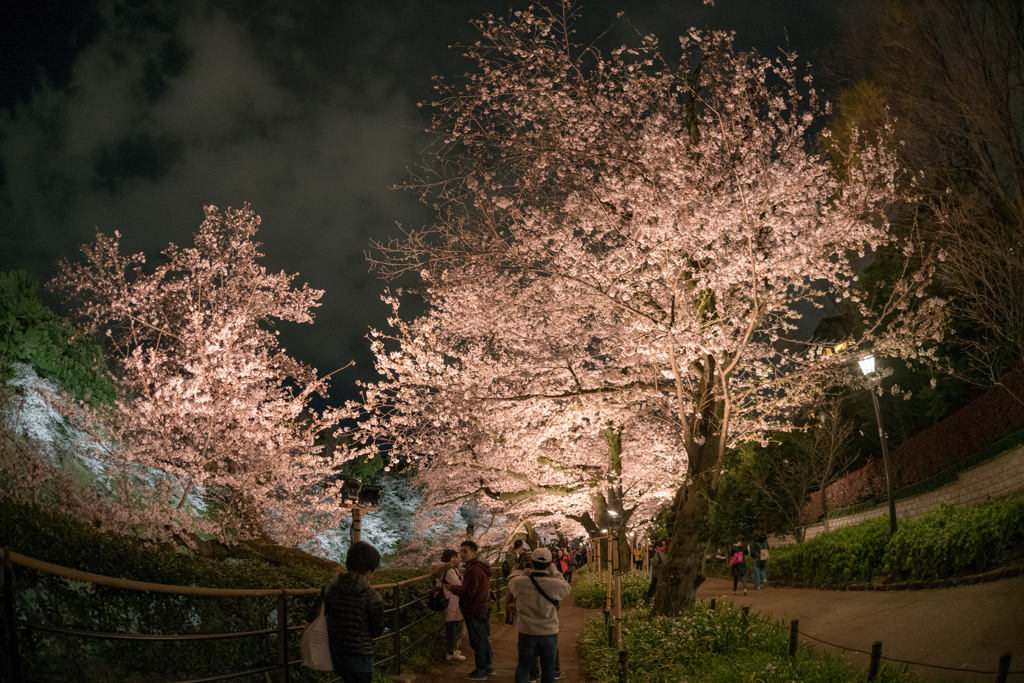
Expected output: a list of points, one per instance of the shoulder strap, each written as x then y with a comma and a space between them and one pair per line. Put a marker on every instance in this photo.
541, 591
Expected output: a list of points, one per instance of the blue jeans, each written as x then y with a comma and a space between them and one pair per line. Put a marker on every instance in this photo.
532, 647
479, 629
760, 572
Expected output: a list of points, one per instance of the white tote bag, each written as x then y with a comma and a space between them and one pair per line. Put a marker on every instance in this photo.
315, 648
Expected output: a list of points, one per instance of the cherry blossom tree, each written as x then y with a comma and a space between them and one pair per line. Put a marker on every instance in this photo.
211, 432
622, 241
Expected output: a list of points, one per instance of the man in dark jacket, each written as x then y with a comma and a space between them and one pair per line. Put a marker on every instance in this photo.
355, 615
475, 604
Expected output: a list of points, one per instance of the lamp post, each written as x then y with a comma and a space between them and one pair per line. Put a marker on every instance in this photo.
867, 366
358, 499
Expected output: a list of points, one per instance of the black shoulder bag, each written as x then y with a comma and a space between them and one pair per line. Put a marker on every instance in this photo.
541, 591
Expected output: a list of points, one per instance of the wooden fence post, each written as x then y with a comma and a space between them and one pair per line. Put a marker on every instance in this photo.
876, 659
623, 669
794, 630
396, 627
13, 666
1004, 667
713, 602
282, 638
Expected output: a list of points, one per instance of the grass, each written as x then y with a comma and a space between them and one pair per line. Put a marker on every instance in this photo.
705, 646
590, 593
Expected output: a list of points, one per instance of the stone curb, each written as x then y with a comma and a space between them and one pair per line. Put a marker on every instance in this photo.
1005, 572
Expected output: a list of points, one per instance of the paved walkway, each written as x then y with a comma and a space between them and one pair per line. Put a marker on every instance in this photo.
961, 628
505, 644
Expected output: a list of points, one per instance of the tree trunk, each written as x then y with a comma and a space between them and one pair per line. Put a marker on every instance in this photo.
682, 572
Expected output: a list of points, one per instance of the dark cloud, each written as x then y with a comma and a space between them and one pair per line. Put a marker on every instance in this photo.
140, 113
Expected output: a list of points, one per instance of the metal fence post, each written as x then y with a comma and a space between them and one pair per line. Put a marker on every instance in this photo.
282, 637
13, 657
396, 627
794, 629
876, 659
1004, 667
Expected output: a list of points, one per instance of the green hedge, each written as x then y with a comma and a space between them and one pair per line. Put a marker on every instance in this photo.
590, 593
705, 646
948, 542
59, 602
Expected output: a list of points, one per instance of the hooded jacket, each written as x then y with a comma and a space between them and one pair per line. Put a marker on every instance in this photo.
475, 591
355, 616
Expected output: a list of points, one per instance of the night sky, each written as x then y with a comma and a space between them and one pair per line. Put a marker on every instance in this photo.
131, 116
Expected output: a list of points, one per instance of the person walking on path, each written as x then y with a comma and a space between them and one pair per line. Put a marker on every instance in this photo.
759, 549
453, 622
657, 560
475, 603
738, 560
537, 594
355, 615
638, 556
568, 565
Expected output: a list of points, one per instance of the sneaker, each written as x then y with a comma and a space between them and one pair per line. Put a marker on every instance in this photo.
490, 672
744, 592
474, 676
535, 680
454, 656
560, 675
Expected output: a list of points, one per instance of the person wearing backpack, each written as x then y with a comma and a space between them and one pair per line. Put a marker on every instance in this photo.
453, 621
759, 549
355, 615
537, 594
738, 560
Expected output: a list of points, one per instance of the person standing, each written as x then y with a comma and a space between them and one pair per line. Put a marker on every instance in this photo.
537, 594
453, 621
738, 560
638, 556
474, 601
355, 615
657, 560
512, 558
759, 549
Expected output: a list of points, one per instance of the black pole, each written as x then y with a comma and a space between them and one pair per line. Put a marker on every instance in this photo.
282, 638
876, 659
10, 625
794, 629
396, 627
1004, 667
885, 462
623, 661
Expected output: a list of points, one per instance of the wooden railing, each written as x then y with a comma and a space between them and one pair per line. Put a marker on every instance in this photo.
13, 626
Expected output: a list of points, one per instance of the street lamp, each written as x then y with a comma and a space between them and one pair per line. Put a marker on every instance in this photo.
867, 366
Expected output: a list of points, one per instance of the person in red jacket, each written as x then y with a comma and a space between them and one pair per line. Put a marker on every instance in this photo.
475, 604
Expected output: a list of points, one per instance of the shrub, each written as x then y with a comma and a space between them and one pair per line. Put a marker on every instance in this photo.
704, 646
947, 542
590, 593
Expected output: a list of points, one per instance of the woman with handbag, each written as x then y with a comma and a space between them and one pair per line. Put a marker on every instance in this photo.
759, 549
738, 560
354, 613
453, 621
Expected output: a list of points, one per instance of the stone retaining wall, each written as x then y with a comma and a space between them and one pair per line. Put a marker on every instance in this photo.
997, 478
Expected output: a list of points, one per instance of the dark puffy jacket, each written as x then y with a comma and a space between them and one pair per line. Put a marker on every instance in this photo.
355, 616
475, 591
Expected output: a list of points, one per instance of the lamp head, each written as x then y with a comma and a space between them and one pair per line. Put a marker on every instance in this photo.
867, 365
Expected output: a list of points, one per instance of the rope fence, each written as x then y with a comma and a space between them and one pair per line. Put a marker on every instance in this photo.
1001, 672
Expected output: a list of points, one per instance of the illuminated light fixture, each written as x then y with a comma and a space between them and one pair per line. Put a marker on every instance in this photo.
613, 513
867, 365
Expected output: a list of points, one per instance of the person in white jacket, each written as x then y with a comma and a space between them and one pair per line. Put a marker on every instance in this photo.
453, 621
537, 593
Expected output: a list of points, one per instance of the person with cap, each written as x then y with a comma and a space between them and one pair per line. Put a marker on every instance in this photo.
537, 594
